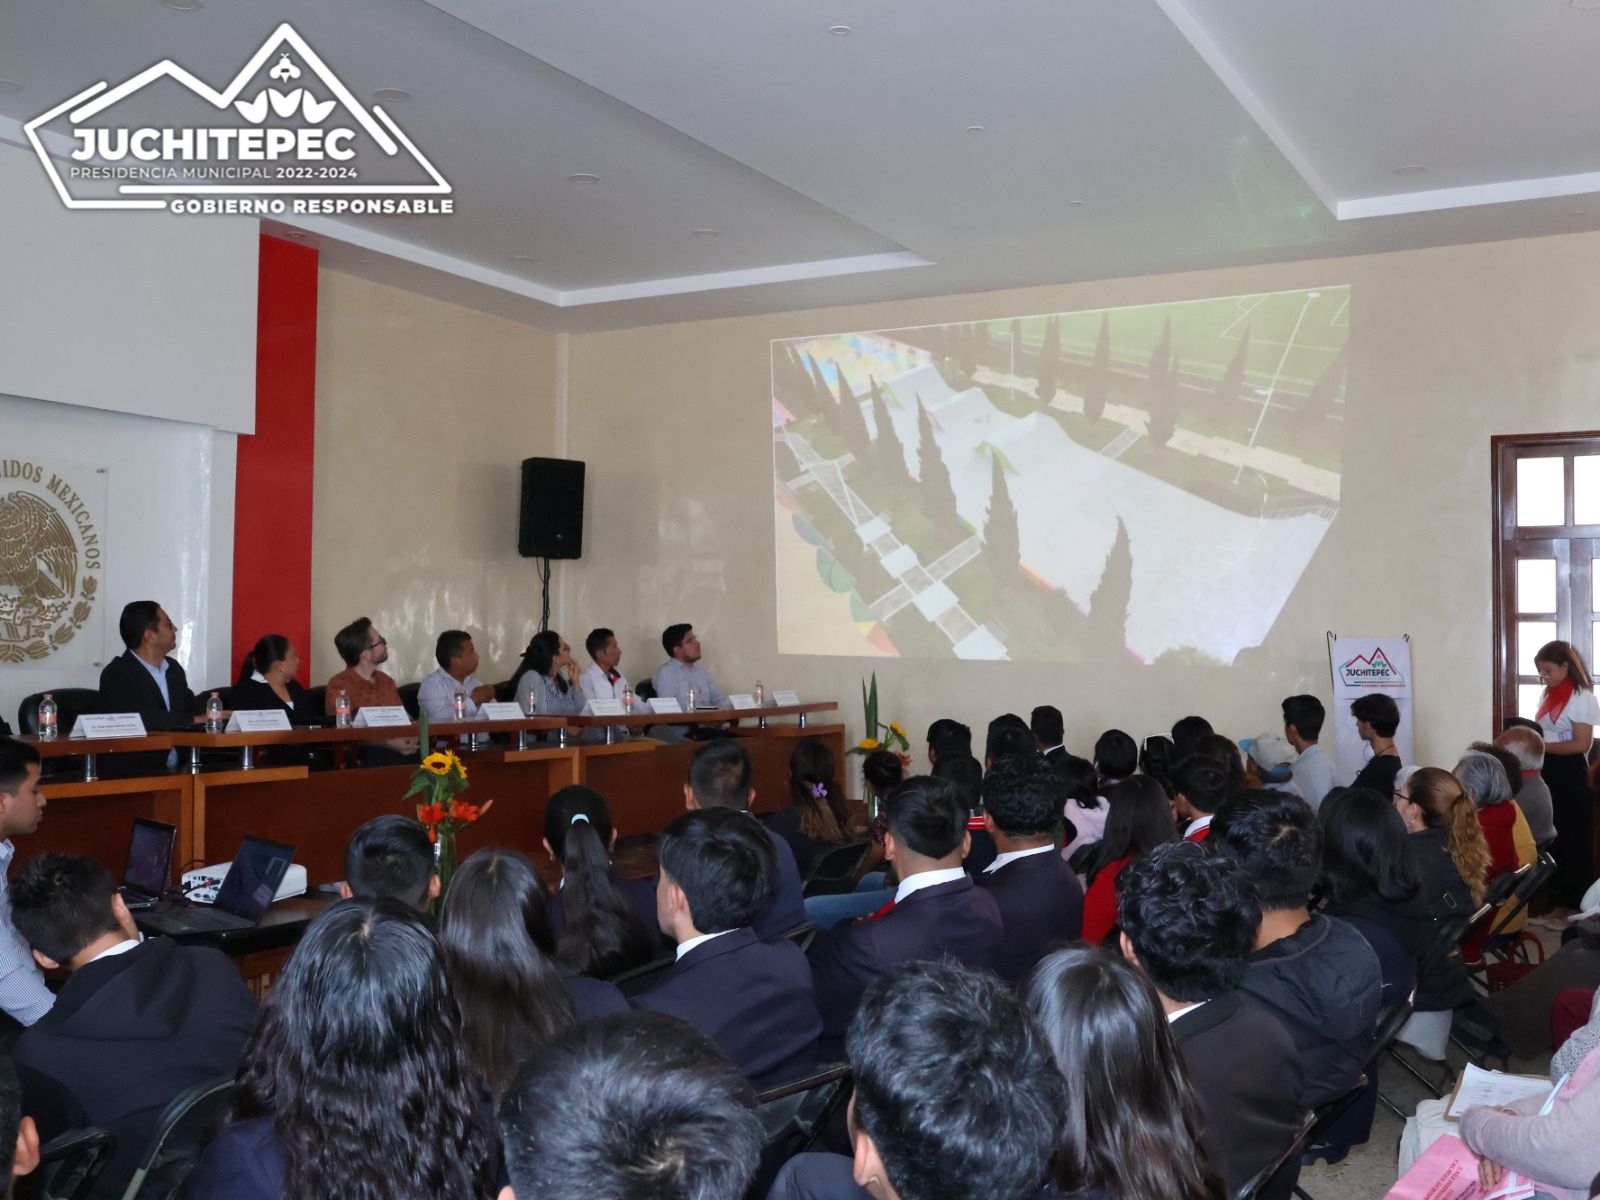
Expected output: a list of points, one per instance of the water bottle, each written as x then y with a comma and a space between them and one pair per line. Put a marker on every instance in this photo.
47, 718
214, 713
761, 694
692, 694
459, 704
627, 699
341, 711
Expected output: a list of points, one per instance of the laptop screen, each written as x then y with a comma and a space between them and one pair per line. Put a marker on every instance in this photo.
149, 856
254, 877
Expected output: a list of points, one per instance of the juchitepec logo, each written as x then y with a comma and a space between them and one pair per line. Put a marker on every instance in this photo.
1374, 670
284, 136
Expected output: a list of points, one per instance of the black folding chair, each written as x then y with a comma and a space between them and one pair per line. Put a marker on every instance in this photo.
802, 935
638, 980
69, 1166
1252, 1187
1534, 877
835, 871
1324, 1117
182, 1132
795, 1115
1449, 934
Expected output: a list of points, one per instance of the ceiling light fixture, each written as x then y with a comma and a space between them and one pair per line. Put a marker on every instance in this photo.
839, 30
391, 95
1410, 169
706, 233
583, 177
183, 5
1586, 3
9, 87
523, 258
975, 129
1074, 203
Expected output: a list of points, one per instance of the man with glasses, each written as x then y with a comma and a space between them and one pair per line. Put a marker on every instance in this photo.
683, 670
364, 650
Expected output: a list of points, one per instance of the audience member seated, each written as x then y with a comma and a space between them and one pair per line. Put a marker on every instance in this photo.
947, 737
881, 772
1312, 773
1532, 793
1156, 761
1315, 974
1132, 1125
719, 777
356, 1082
603, 924
967, 774
500, 953
1268, 763
137, 1021
364, 650
683, 670
458, 659
1084, 813
1505, 830
955, 1095
600, 679
1040, 899
1049, 732
1116, 757
936, 911
818, 817
19, 1138
545, 683
752, 998
1186, 735
1189, 922
391, 856
23, 995
1225, 753
144, 679
1140, 820
634, 1106
1447, 843
1008, 734
1525, 1010
1377, 718
267, 681
1201, 786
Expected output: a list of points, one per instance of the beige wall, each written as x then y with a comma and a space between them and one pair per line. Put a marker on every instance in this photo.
1447, 347
424, 413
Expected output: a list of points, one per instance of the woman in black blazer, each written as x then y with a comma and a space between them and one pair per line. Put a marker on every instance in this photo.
266, 680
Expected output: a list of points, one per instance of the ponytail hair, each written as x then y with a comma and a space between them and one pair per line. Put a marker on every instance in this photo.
825, 817
1562, 654
272, 648
600, 936
1445, 804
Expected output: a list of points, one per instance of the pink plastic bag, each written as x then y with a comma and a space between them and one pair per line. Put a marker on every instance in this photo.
1447, 1170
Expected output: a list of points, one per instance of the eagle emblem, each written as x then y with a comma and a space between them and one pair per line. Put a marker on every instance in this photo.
43, 601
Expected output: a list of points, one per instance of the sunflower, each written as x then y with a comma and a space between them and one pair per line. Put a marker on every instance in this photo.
868, 744
439, 764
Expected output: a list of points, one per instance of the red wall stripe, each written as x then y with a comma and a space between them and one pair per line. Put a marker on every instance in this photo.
273, 480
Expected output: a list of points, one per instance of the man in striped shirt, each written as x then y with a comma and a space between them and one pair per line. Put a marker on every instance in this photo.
23, 995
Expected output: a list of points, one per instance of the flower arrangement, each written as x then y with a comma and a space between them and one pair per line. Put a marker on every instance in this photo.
880, 735
439, 783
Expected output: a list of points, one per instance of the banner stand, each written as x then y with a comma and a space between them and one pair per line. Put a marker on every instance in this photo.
1361, 666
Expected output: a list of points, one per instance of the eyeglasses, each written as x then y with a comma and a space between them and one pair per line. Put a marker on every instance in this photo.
380, 642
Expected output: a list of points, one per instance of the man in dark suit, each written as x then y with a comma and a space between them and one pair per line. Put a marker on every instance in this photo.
137, 1022
1040, 899
719, 777
144, 679
1189, 921
1049, 730
936, 911
752, 998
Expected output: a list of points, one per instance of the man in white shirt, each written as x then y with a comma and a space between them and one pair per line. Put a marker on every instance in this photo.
600, 679
1302, 726
458, 659
23, 994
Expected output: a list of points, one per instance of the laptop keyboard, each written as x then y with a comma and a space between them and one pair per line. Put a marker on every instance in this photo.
201, 919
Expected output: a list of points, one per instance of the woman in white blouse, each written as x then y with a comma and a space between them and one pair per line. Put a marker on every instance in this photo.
1568, 713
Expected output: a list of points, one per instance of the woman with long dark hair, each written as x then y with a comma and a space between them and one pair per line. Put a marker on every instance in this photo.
1140, 820
1132, 1129
500, 952
545, 682
1568, 713
1085, 808
818, 816
355, 1084
603, 923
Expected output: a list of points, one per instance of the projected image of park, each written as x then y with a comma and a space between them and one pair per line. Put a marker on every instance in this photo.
1138, 484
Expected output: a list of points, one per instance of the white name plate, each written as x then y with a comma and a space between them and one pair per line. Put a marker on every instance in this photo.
109, 725
258, 720
742, 701
607, 708
373, 716
785, 699
500, 710
665, 704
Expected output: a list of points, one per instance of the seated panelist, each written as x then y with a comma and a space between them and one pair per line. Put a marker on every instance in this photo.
458, 659
600, 679
546, 680
145, 679
267, 681
684, 670
364, 650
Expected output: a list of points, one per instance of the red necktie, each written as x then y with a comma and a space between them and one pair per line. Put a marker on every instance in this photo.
882, 912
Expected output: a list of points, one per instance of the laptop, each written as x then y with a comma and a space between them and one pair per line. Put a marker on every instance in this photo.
242, 900
149, 862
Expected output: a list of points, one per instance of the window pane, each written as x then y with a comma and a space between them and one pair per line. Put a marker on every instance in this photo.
1541, 499
1536, 585
1528, 699
1530, 636
1594, 585
1586, 489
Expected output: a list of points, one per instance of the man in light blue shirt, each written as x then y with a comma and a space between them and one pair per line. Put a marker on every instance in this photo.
683, 671
1302, 726
458, 659
23, 994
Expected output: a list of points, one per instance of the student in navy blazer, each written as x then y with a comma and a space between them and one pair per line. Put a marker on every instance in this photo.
1040, 899
719, 777
752, 998
937, 910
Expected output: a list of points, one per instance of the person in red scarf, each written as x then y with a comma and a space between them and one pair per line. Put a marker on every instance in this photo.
1568, 713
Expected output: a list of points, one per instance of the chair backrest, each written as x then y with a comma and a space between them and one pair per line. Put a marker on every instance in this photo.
1501, 886
838, 865
1251, 1188
645, 689
638, 980
71, 703
796, 1114
71, 1165
802, 935
408, 697
315, 700
1391, 1020
1530, 885
184, 1129
1327, 1114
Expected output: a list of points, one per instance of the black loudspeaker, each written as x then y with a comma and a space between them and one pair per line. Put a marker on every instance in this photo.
552, 509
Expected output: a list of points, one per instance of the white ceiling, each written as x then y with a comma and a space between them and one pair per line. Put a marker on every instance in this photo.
1119, 137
